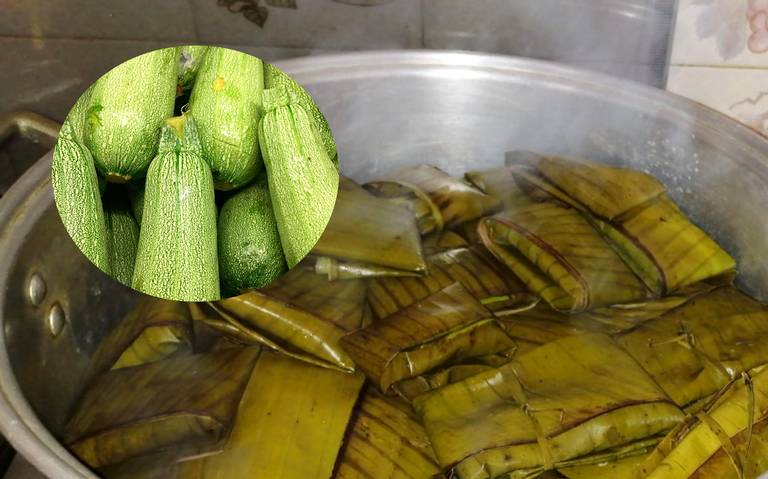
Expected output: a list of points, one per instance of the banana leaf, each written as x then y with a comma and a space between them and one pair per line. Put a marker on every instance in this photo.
427, 214
458, 201
473, 267
211, 329
290, 423
499, 183
132, 411
334, 269
696, 349
442, 241
165, 464
449, 325
155, 329
557, 253
623, 468
367, 230
724, 439
385, 441
569, 399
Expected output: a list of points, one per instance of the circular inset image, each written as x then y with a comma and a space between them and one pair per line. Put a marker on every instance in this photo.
195, 173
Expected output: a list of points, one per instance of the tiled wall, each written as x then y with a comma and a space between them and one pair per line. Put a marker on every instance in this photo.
719, 57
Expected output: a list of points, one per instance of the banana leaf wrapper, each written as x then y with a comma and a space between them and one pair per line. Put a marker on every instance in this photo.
427, 214
449, 325
695, 350
334, 270
569, 399
442, 241
165, 464
458, 201
473, 267
365, 229
290, 424
155, 329
726, 439
623, 468
499, 183
131, 411
385, 441
558, 254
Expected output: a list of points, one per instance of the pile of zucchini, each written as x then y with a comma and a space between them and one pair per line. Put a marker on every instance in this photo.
192, 173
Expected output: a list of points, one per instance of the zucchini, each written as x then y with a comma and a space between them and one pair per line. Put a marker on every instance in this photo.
176, 257
225, 103
273, 77
136, 197
78, 114
303, 181
76, 190
122, 236
250, 255
190, 59
126, 109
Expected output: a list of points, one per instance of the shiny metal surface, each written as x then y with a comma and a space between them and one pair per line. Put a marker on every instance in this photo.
455, 110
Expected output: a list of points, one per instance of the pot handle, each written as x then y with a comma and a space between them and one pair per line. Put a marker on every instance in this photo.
30, 126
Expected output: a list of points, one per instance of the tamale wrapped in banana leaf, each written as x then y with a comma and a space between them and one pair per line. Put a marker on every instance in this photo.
153, 330
427, 214
696, 349
473, 267
499, 183
367, 230
131, 411
442, 241
571, 398
385, 441
447, 325
290, 424
727, 427
457, 200
622, 468
557, 253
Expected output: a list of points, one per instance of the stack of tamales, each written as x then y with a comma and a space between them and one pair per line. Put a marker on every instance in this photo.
548, 318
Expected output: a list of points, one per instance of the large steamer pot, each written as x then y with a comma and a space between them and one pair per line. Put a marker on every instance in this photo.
454, 110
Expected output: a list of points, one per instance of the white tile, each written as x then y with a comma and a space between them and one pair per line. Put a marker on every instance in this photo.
315, 24
721, 32
115, 19
741, 93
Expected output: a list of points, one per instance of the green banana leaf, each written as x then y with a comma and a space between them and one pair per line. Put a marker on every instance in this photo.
427, 214
569, 399
473, 267
385, 441
499, 183
368, 230
290, 424
623, 468
442, 241
457, 200
153, 330
132, 411
560, 257
724, 439
695, 350
449, 325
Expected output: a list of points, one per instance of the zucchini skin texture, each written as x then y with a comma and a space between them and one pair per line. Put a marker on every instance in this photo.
78, 199
123, 237
136, 197
126, 110
226, 105
177, 253
250, 254
303, 180
274, 77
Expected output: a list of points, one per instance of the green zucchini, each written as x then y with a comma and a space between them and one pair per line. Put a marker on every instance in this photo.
250, 255
136, 197
122, 236
190, 59
225, 103
273, 77
76, 190
303, 180
176, 257
126, 109
78, 114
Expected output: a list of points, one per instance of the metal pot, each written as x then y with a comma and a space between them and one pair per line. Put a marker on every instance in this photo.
454, 110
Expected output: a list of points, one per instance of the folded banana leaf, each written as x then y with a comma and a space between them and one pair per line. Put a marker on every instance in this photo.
367, 230
132, 411
442, 241
724, 439
499, 183
290, 423
155, 329
556, 252
385, 441
427, 214
623, 468
696, 349
334, 269
473, 267
542, 324
449, 325
458, 201
165, 464
570, 399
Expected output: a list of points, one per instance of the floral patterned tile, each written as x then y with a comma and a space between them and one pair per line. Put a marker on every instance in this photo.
721, 32
741, 93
